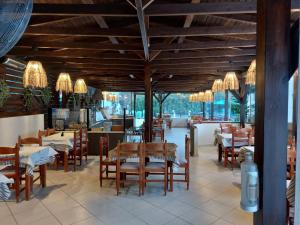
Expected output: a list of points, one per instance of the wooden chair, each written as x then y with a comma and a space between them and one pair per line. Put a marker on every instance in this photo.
105, 163
50, 131
42, 133
226, 130
41, 170
159, 151
291, 162
75, 153
158, 131
117, 128
239, 139
84, 143
185, 164
13, 170
124, 151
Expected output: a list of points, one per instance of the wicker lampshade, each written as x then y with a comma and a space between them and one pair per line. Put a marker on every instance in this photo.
35, 75
112, 97
251, 73
208, 96
80, 87
193, 97
218, 86
64, 83
200, 97
231, 82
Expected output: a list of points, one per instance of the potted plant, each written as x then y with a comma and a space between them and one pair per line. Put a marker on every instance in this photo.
4, 93
27, 98
46, 95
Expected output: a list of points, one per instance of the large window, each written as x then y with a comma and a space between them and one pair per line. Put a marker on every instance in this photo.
250, 104
234, 108
219, 105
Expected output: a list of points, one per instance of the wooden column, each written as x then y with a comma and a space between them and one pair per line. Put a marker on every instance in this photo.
148, 104
212, 110
271, 108
134, 104
243, 111
226, 106
203, 107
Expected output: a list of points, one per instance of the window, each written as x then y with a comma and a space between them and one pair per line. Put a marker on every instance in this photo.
219, 105
250, 104
234, 108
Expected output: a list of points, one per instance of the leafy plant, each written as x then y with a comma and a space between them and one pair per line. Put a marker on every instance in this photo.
27, 98
46, 95
4, 92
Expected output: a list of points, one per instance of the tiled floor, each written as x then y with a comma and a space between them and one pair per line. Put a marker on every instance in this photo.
76, 198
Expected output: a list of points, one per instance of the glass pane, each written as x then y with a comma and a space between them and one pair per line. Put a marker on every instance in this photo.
219, 105
234, 108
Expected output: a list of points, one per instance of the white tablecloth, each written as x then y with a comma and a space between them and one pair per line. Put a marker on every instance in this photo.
32, 156
225, 139
4, 189
58, 142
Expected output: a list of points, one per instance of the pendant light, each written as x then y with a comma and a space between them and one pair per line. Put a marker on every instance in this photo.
218, 86
80, 87
200, 96
251, 73
64, 83
231, 82
35, 75
208, 96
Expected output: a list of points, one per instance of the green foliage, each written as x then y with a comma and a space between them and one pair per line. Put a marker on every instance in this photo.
4, 92
27, 98
46, 95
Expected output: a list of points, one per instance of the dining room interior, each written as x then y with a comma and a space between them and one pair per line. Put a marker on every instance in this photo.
138, 112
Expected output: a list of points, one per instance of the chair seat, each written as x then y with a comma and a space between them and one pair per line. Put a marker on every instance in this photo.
130, 166
11, 173
181, 162
155, 165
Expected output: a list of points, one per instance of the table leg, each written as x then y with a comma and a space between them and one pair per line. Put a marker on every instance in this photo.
66, 161
171, 176
43, 169
27, 186
219, 152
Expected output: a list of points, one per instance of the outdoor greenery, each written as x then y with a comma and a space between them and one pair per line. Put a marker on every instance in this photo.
46, 95
4, 93
27, 98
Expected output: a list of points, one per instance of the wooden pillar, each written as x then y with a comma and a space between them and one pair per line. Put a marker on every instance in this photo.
243, 111
226, 106
203, 107
148, 104
271, 108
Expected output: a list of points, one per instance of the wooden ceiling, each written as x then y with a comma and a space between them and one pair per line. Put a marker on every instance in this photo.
187, 43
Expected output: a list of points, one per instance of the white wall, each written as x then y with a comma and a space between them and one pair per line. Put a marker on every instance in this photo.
12, 127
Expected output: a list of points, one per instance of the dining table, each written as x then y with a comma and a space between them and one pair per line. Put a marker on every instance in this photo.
32, 156
62, 142
4, 188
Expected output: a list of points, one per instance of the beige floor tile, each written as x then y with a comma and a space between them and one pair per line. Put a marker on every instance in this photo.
32, 215
222, 222
199, 217
237, 217
178, 221
8, 220
49, 220
72, 215
90, 221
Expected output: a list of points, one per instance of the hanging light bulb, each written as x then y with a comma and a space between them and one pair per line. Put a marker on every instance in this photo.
208, 96
64, 83
251, 73
35, 75
231, 82
218, 86
80, 87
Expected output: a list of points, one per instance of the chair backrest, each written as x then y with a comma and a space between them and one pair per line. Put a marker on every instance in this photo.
291, 160
84, 135
246, 129
240, 138
77, 143
30, 141
117, 128
42, 133
103, 146
227, 130
50, 131
158, 150
187, 148
12, 159
127, 150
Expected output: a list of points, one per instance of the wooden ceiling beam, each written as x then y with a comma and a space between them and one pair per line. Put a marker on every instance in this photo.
117, 10
153, 32
207, 54
215, 8
80, 45
143, 29
201, 65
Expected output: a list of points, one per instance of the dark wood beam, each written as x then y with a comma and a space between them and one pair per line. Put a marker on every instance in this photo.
215, 8
143, 30
271, 127
148, 104
80, 45
201, 65
118, 10
53, 21
153, 32
207, 54
204, 45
